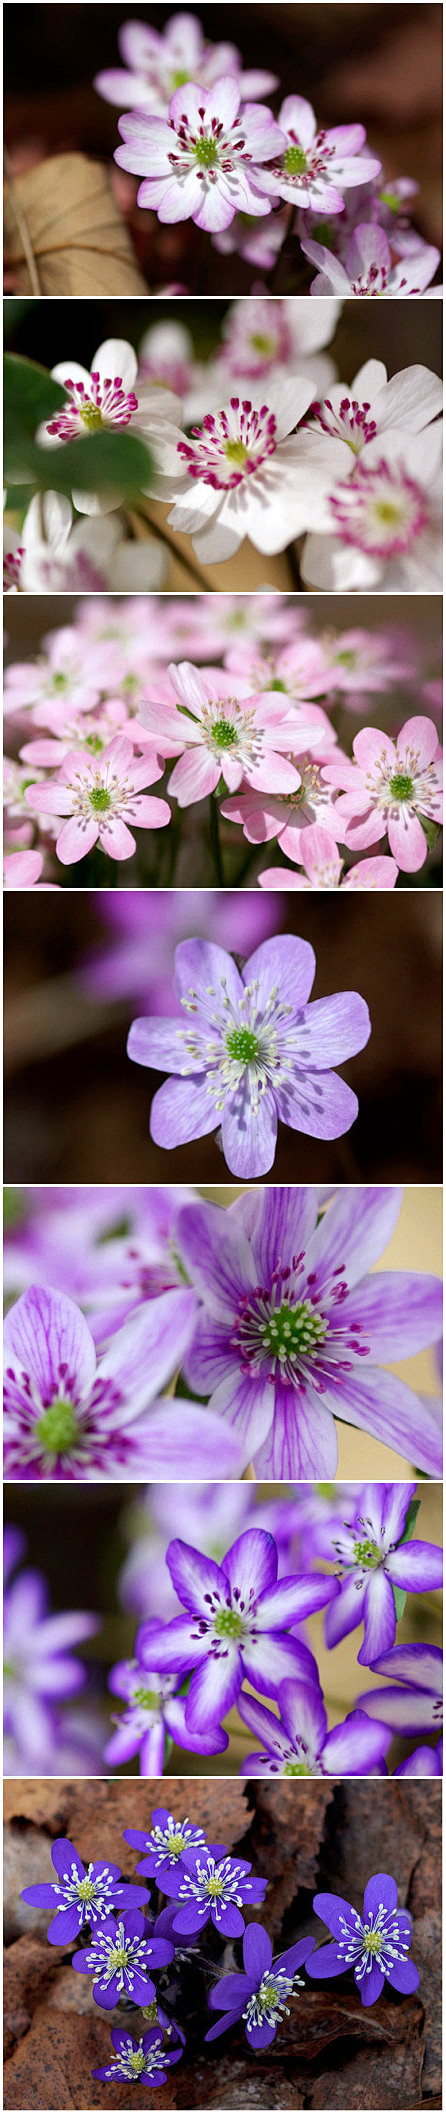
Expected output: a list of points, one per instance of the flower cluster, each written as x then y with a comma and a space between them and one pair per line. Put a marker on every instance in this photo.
209, 151
200, 1883
257, 721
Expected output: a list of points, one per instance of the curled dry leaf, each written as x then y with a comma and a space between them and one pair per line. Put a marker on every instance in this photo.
64, 233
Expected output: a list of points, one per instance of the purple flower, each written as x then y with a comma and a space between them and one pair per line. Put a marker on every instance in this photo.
262, 1993
416, 1706
298, 1743
68, 1417
166, 1843
143, 2062
235, 1624
39, 1669
137, 961
294, 1328
376, 1564
375, 1944
118, 1957
254, 1051
212, 1888
425, 1761
155, 1715
81, 1895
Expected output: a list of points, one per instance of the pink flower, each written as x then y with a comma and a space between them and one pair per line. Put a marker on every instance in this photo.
323, 868
23, 870
227, 736
288, 816
298, 669
382, 527
389, 786
368, 267
261, 335
257, 241
90, 732
159, 62
315, 168
67, 674
201, 163
101, 796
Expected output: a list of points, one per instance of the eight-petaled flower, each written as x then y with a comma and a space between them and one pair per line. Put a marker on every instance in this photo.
143, 2062
100, 796
375, 1944
165, 1843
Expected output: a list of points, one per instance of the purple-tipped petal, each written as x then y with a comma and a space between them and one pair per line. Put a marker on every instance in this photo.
417, 1566
379, 1618
196, 1578
251, 1568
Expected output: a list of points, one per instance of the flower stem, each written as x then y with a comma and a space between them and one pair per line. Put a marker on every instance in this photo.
162, 535
174, 835
276, 273
215, 840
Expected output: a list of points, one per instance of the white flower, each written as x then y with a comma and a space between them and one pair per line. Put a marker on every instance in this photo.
112, 396
260, 336
385, 522
244, 470
350, 418
53, 555
158, 62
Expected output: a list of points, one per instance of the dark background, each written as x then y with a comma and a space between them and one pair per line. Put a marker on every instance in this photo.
399, 332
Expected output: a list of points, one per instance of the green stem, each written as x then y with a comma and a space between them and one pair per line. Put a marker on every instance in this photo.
215, 840
170, 544
252, 854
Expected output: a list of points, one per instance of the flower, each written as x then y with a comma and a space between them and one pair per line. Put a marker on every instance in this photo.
390, 785
165, 1843
118, 1957
248, 472
291, 817
368, 267
143, 2062
315, 168
155, 1715
39, 1668
201, 162
106, 398
161, 61
101, 795
261, 1994
355, 417
294, 1328
323, 867
382, 527
206, 1888
81, 1895
298, 1742
235, 1624
374, 1555
137, 960
425, 1761
64, 675
254, 1051
257, 241
54, 554
375, 1944
262, 335
229, 736
68, 1417
22, 869
416, 1706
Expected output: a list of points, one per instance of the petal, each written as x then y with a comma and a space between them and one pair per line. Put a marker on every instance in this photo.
217, 1257
383, 1405
354, 1231
116, 357
46, 1337
175, 1648
205, 968
283, 1223
370, 1988
143, 1355
247, 1405
304, 1714
317, 1103
326, 1961
399, 1311
404, 1976
379, 1618
257, 1951
334, 1911
232, 1992
214, 1687
302, 1442
420, 1663
334, 1029
345, 1613
408, 1713
264, 1724
417, 1566
158, 1044
198, 1581
249, 1131
283, 961
65, 1926
66, 1860
181, 1110
293, 1599
251, 1567
272, 1658
349, 1750
381, 1892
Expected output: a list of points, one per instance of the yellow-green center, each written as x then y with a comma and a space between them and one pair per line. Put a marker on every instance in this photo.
242, 1044
296, 1769
215, 1886
267, 346
373, 1941
91, 417
100, 799
236, 452
293, 1330
57, 1428
224, 734
206, 153
295, 161
118, 1956
367, 1553
146, 1698
401, 786
388, 511
86, 1890
228, 1623
137, 2061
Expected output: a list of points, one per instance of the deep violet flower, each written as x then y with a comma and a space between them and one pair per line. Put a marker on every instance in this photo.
205, 1887
165, 1843
294, 1328
253, 1051
235, 1625
68, 1417
81, 1895
262, 1993
121, 1956
144, 2062
298, 1742
417, 1704
373, 1557
375, 1944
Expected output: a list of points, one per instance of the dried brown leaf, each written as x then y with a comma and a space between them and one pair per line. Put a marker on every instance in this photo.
64, 233
287, 1833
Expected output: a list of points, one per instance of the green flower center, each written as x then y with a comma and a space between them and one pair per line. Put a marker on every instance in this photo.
295, 161
147, 1698
390, 198
401, 787
60, 682
57, 1429
224, 734
235, 451
86, 1890
242, 1044
373, 1941
267, 346
206, 153
100, 799
118, 1956
367, 1552
136, 2061
94, 743
296, 1769
388, 511
277, 685
228, 1623
215, 1886
292, 1330
91, 417
346, 659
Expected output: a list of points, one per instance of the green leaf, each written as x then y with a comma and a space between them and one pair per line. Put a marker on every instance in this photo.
411, 1517
30, 395
431, 831
99, 462
400, 1601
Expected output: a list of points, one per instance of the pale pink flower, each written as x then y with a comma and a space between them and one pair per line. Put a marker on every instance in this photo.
65, 674
323, 868
381, 529
369, 268
101, 797
257, 241
55, 554
219, 733
358, 661
90, 732
388, 787
247, 477
314, 167
298, 670
287, 816
22, 869
262, 335
201, 163
156, 62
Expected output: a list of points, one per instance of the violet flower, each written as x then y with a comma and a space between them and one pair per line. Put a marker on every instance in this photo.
155, 1716
261, 1995
424, 1761
235, 1625
81, 1895
166, 1842
294, 1327
298, 1742
69, 1417
376, 1564
144, 2062
209, 1888
375, 1944
39, 1669
417, 1705
254, 1051
119, 1956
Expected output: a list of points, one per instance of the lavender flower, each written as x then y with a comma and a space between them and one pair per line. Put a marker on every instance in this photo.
143, 2062
375, 1944
424, 1761
261, 1994
235, 1624
254, 1051
298, 1743
81, 1895
118, 1957
65, 1419
39, 1669
293, 1328
206, 1888
378, 1564
166, 1843
154, 1717
416, 1706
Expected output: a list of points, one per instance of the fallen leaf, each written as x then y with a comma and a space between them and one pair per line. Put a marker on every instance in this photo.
64, 233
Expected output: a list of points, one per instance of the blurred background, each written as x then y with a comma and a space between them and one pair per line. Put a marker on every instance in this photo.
79, 971
104, 1549
380, 65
